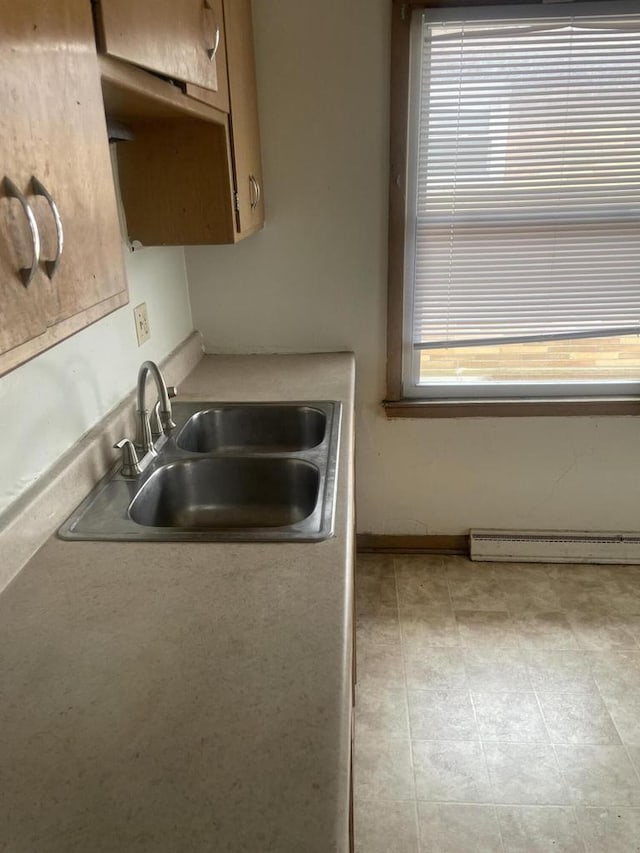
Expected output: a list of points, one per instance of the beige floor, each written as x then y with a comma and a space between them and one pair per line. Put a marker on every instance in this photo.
498, 707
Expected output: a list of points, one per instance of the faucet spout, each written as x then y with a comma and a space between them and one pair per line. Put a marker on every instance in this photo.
144, 439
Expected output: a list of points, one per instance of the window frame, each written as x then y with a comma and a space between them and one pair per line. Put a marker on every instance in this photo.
395, 404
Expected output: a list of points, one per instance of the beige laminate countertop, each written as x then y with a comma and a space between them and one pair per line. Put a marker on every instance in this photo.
185, 697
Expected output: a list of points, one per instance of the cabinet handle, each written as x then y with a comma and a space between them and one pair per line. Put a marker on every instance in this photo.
40, 189
211, 51
26, 273
255, 192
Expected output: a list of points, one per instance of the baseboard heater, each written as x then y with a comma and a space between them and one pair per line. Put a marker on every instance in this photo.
555, 546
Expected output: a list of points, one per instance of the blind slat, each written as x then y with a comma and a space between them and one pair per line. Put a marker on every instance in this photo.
527, 219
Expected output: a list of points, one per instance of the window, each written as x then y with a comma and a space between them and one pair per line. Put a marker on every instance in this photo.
520, 256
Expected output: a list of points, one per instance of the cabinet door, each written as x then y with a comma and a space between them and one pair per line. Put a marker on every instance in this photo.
22, 309
55, 131
181, 39
245, 128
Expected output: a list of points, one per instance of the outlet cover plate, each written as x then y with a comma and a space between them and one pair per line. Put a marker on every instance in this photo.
143, 330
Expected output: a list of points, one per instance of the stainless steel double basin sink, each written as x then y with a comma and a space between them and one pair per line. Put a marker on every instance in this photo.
228, 472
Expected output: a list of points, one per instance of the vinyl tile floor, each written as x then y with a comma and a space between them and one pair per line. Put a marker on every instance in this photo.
497, 707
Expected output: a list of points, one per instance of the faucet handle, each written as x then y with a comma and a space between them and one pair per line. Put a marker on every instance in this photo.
155, 421
130, 462
158, 418
164, 414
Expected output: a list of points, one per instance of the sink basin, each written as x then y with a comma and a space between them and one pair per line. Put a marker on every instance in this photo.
227, 493
229, 472
259, 428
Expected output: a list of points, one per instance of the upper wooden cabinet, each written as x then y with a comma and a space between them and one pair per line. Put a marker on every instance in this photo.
192, 173
61, 263
180, 39
245, 129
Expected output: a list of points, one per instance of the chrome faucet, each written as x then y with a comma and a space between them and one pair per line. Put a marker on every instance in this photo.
163, 423
144, 436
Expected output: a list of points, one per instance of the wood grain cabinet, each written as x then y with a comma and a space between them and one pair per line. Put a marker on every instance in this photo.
192, 174
245, 130
180, 39
61, 263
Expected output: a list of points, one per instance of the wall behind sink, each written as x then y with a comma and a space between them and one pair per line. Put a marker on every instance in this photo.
47, 404
315, 279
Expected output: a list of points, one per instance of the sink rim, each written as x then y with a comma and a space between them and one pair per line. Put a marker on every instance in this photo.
113, 493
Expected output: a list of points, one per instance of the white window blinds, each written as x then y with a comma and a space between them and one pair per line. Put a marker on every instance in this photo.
528, 181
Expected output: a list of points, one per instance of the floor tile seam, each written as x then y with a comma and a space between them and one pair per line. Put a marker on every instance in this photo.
469, 689
406, 694
395, 646
503, 806
521, 644
517, 617
612, 696
580, 691
541, 647
484, 757
509, 804
580, 743
456, 803
358, 798
623, 740
537, 806
555, 691
490, 742
457, 645
544, 720
522, 741
619, 808
503, 847
568, 787
416, 820
489, 804
419, 603
595, 649
376, 737
635, 769
583, 837
636, 641
372, 800
452, 609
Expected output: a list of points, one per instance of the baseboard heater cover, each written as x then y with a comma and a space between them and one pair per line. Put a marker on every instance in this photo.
555, 546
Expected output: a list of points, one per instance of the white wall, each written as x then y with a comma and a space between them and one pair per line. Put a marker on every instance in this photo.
47, 404
315, 279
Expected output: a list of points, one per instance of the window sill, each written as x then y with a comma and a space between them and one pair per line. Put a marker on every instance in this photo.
520, 408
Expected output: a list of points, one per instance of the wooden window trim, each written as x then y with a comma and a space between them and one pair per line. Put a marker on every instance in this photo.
395, 406
513, 408
400, 42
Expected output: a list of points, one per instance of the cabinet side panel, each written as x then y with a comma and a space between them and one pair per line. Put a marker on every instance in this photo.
245, 129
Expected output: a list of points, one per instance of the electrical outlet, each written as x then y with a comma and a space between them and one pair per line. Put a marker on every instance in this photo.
143, 330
